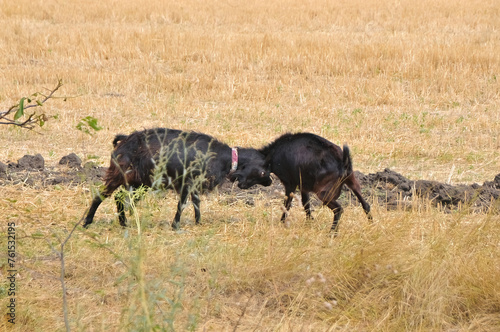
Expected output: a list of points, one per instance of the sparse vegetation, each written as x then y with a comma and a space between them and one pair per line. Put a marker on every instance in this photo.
408, 85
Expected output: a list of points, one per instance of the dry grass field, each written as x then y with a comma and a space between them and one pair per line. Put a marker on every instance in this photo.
410, 86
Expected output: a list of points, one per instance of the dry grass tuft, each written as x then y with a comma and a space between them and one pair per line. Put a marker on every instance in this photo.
407, 271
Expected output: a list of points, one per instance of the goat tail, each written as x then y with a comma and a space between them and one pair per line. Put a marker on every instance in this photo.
118, 138
346, 161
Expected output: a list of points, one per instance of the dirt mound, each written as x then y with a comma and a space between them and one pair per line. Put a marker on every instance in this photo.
71, 160
388, 188
31, 171
28, 162
394, 190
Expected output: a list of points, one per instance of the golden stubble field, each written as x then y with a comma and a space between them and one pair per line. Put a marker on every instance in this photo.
409, 86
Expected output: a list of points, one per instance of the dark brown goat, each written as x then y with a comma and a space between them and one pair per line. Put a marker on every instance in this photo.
188, 162
313, 164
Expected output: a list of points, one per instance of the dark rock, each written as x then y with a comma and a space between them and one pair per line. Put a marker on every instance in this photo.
360, 177
449, 195
71, 160
404, 186
495, 184
31, 163
3, 169
391, 177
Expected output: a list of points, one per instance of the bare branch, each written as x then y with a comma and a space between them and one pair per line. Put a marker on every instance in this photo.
63, 271
11, 116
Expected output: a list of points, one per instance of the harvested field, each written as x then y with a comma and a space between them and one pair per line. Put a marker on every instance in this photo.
412, 88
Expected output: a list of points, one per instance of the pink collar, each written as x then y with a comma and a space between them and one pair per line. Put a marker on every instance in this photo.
234, 159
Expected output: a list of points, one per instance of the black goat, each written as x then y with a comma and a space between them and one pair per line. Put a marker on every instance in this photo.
313, 164
188, 162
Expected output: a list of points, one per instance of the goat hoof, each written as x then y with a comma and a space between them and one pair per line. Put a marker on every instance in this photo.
334, 231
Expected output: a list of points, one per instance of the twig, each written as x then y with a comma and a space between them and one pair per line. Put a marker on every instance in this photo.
32, 118
60, 254
242, 314
63, 284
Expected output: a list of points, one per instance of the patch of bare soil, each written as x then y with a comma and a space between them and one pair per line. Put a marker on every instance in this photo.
32, 171
394, 190
388, 188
